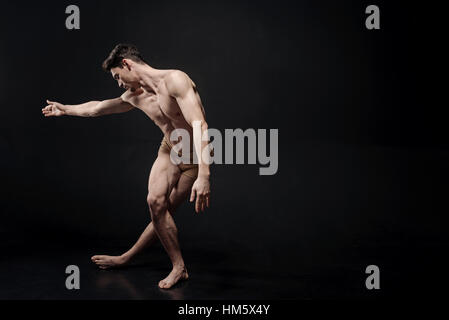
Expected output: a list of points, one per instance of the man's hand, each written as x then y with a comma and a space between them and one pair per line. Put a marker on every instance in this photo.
54, 109
201, 188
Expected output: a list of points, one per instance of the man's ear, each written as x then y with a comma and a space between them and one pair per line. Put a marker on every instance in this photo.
126, 64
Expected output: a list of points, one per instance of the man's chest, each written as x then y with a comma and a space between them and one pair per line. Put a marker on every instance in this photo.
169, 107
159, 107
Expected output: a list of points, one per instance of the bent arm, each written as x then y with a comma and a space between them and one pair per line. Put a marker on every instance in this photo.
184, 91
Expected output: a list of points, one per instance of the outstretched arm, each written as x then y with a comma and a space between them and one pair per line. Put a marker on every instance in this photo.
88, 109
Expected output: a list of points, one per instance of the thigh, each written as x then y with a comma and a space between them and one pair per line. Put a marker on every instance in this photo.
164, 176
181, 191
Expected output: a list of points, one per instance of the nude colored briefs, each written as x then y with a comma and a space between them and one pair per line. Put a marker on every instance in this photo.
189, 170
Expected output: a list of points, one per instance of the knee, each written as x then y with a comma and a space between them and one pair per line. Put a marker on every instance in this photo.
157, 204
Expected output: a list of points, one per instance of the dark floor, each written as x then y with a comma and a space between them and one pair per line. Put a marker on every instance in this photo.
219, 274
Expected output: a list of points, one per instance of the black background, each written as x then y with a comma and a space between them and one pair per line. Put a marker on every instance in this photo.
363, 152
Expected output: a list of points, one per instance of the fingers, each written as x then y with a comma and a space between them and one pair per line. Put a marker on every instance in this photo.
47, 111
202, 202
55, 104
53, 109
198, 204
205, 198
192, 194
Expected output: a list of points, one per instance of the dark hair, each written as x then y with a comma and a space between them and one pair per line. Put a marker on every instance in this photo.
120, 52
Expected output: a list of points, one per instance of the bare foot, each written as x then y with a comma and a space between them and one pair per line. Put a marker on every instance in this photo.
177, 274
106, 262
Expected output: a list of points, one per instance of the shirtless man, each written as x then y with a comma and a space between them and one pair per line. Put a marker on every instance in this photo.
170, 99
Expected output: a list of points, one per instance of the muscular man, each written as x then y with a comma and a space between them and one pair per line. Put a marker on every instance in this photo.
170, 99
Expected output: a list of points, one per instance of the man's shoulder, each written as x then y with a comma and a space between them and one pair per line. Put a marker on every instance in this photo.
176, 75
177, 82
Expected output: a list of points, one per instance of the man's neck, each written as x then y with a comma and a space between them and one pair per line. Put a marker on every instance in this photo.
149, 77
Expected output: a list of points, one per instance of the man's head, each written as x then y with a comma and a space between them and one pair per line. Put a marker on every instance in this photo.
122, 62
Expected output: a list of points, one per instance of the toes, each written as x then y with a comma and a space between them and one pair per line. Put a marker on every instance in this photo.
101, 261
98, 259
95, 258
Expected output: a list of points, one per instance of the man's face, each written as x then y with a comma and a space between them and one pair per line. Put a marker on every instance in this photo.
126, 77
